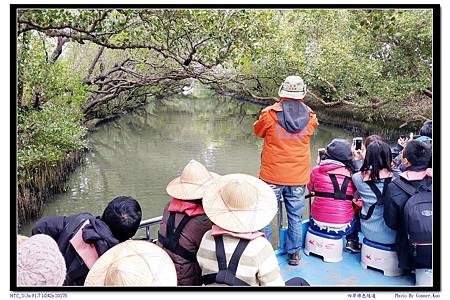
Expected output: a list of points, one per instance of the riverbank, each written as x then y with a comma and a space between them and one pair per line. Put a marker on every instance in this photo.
408, 117
44, 168
40, 182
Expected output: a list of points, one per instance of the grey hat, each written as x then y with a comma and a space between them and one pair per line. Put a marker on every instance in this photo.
339, 149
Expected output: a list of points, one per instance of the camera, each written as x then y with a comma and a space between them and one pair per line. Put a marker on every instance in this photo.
357, 141
322, 153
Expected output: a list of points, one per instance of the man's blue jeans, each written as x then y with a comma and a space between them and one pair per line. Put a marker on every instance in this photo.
294, 201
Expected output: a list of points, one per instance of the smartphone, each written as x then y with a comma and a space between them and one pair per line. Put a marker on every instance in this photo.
321, 151
358, 142
321, 154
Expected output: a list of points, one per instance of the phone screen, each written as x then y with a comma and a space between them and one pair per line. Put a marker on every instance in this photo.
358, 144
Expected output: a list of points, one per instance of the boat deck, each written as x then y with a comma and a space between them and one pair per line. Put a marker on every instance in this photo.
348, 272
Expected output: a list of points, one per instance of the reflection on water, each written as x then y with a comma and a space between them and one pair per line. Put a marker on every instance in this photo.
140, 153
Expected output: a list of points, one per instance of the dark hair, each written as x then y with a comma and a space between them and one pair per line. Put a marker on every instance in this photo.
123, 216
371, 138
418, 153
349, 165
427, 129
378, 157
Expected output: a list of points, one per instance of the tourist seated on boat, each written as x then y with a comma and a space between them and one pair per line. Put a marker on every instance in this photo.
371, 183
235, 252
401, 211
82, 238
184, 221
333, 210
425, 135
133, 263
39, 262
426, 132
358, 155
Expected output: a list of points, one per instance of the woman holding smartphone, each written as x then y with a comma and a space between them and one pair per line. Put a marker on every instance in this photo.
332, 210
371, 182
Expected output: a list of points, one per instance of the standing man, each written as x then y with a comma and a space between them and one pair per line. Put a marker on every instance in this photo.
286, 128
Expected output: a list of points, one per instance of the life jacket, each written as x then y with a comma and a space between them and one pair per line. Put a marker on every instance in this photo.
86, 251
76, 268
227, 274
70, 229
380, 196
339, 193
172, 241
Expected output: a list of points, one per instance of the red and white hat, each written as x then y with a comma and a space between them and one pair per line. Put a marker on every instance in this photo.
293, 87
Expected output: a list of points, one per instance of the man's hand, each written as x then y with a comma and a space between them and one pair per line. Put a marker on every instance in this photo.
403, 141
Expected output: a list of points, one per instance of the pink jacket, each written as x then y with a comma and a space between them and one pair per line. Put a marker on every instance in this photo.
325, 209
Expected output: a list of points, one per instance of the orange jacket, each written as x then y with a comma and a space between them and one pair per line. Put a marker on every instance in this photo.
286, 157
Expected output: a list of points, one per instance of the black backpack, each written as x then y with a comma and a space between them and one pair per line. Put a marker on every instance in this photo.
418, 221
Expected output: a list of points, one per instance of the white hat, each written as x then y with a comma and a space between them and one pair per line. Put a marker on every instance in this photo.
40, 262
240, 203
292, 87
192, 183
133, 263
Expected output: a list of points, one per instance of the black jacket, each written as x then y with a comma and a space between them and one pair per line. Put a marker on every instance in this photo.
63, 228
393, 215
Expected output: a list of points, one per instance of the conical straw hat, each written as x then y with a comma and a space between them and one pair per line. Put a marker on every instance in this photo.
192, 183
133, 263
240, 203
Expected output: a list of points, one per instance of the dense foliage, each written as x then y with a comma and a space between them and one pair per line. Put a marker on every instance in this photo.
77, 65
369, 60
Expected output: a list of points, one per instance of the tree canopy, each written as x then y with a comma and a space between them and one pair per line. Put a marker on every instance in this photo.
75, 65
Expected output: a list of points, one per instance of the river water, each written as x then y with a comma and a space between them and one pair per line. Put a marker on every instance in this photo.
141, 152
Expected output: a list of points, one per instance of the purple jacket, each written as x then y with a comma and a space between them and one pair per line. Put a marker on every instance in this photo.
326, 209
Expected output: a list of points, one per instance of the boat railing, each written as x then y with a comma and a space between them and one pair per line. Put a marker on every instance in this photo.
156, 221
281, 228
148, 224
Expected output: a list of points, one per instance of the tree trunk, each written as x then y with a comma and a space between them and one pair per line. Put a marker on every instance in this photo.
25, 47
58, 50
94, 63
